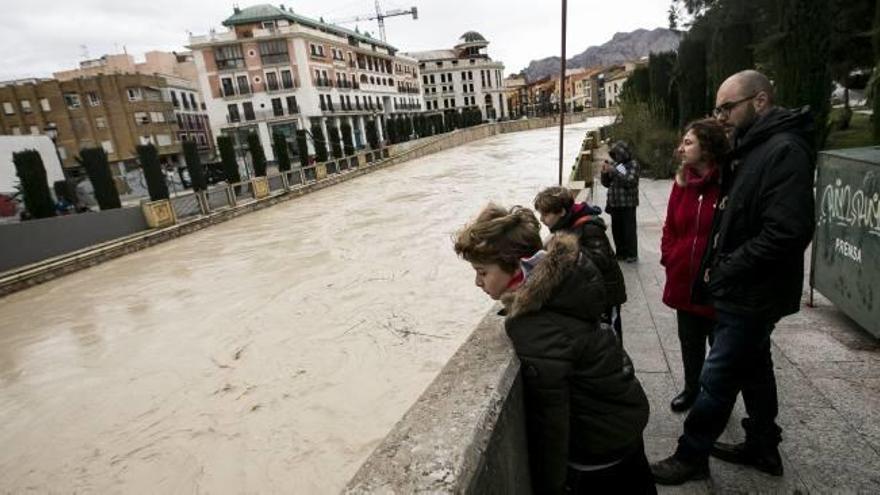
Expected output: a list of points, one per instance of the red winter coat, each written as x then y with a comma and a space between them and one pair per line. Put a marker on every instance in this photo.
685, 235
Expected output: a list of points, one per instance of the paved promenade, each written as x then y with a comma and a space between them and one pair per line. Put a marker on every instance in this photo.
827, 369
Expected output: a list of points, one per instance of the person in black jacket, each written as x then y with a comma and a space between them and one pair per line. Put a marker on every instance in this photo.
559, 213
753, 272
621, 177
584, 414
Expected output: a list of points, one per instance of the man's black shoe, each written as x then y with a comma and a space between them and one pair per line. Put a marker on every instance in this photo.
766, 460
683, 401
675, 471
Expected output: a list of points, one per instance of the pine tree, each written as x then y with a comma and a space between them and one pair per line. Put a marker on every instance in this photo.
149, 158
34, 184
228, 160
320, 144
258, 157
94, 160
194, 166
282, 155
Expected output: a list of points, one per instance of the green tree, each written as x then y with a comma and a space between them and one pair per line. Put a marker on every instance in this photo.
228, 160
372, 134
258, 157
302, 147
335, 145
799, 55
94, 160
149, 158
637, 86
320, 144
194, 166
660, 71
347, 140
690, 75
34, 184
282, 155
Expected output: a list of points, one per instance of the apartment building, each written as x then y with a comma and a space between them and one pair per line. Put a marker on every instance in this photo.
114, 111
178, 69
463, 77
276, 71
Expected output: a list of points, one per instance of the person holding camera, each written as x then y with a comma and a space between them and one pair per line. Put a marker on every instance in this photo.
621, 176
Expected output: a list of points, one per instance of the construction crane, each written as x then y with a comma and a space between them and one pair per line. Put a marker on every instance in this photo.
380, 16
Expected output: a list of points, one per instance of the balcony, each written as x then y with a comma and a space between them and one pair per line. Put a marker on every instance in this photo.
322, 82
230, 64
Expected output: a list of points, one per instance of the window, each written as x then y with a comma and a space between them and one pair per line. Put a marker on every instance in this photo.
316, 50
186, 105
248, 108
157, 117
272, 81
134, 94
229, 57
243, 86
174, 100
228, 87
274, 52
35, 130
141, 118
291, 105
72, 100
192, 101
7, 108
277, 108
286, 79
233, 113
108, 146
26, 106
16, 130
94, 99
62, 152
44, 104
432, 78
100, 122
163, 139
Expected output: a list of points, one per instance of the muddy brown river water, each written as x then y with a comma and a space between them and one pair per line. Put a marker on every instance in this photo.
267, 354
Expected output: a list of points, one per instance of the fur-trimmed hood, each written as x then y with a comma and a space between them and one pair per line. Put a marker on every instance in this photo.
565, 281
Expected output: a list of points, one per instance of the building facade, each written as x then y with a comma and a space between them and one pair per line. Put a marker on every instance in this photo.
181, 89
275, 71
464, 77
516, 93
114, 111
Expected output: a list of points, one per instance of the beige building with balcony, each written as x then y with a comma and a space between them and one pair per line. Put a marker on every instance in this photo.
276, 71
464, 77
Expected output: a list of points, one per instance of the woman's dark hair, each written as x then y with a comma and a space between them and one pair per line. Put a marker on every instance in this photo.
712, 137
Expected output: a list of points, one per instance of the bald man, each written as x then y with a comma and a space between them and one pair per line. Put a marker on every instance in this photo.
753, 273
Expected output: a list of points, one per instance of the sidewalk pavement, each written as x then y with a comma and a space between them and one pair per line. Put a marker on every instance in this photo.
827, 371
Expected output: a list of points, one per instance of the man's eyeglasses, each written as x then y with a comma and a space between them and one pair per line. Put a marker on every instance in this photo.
725, 108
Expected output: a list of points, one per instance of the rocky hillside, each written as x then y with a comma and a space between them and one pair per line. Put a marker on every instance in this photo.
621, 48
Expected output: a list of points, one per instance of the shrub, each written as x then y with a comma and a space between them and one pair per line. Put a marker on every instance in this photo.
194, 166
94, 160
149, 158
228, 160
257, 155
34, 184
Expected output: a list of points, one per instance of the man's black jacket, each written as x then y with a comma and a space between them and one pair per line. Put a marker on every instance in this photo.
764, 219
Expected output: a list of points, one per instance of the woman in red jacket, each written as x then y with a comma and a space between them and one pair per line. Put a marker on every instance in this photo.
685, 235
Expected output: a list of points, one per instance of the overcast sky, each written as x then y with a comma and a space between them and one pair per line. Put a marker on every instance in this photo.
43, 36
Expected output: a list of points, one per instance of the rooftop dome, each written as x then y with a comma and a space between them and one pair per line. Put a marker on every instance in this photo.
472, 37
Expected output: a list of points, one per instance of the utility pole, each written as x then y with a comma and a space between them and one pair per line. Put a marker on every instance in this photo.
380, 17
562, 92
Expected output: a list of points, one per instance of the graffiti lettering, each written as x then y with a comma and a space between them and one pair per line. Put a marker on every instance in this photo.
850, 207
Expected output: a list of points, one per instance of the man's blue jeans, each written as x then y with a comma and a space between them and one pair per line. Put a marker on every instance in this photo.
739, 361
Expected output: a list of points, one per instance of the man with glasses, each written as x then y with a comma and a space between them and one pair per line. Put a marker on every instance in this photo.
753, 273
